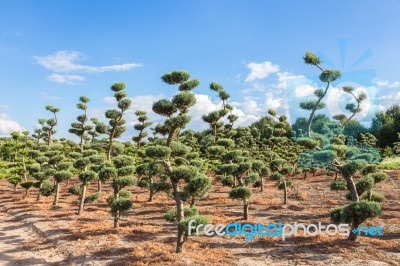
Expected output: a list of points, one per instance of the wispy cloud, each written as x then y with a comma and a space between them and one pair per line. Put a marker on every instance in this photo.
64, 65
66, 79
260, 70
386, 84
65, 61
49, 97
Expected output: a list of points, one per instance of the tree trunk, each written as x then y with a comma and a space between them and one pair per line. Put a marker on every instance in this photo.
38, 195
116, 214
99, 186
336, 175
55, 203
180, 215
150, 189
353, 236
116, 219
245, 210
109, 149
24, 166
262, 184
305, 175
179, 207
192, 203
352, 187
82, 201
370, 194
284, 193
215, 134
26, 193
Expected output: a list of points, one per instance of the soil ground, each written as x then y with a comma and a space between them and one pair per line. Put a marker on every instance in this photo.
36, 233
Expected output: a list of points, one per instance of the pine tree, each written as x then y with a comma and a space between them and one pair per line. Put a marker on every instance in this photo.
80, 128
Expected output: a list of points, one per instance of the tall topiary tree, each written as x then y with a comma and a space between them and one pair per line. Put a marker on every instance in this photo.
49, 128
176, 111
213, 118
116, 125
80, 128
327, 76
120, 174
141, 127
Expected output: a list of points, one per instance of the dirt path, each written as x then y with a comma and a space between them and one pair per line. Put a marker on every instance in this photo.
21, 245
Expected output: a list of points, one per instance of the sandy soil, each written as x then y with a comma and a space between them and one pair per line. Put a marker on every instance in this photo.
36, 233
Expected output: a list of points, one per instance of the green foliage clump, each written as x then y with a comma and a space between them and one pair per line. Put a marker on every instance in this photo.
338, 185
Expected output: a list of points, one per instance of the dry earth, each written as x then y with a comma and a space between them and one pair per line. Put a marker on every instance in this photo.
36, 233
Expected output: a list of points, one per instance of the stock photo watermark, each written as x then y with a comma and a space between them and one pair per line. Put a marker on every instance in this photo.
283, 230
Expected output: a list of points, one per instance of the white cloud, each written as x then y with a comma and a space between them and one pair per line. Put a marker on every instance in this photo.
4, 106
66, 79
49, 97
260, 70
395, 97
65, 61
304, 90
64, 65
272, 102
7, 125
386, 83
283, 77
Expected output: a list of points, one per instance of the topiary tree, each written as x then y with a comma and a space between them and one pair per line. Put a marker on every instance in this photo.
353, 108
355, 214
280, 173
149, 171
213, 118
39, 132
121, 175
176, 111
60, 176
87, 164
27, 185
80, 128
327, 76
116, 125
15, 181
49, 128
244, 194
141, 127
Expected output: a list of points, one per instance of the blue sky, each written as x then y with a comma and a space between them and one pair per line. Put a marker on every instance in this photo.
52, 52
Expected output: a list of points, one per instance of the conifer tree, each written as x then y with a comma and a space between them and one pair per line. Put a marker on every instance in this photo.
141, 127
176, 111
327, 76
116, 125
49, 128
80, 128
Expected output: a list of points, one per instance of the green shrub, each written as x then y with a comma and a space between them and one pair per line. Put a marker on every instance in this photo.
338, 185
390, 164
92, 198
375, 196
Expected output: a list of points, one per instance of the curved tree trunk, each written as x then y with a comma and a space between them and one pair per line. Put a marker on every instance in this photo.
352, 187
